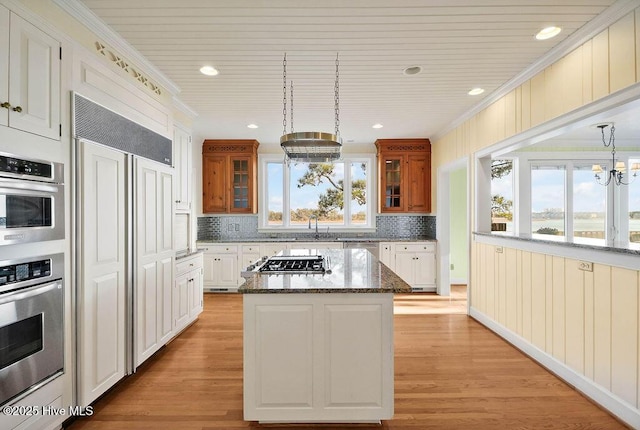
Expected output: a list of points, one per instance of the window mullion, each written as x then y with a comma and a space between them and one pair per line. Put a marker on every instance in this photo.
286, 206
346, 194
568, 195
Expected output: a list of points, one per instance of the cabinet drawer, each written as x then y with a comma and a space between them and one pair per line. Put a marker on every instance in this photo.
221, 249
415, 247
250, 249
187, 264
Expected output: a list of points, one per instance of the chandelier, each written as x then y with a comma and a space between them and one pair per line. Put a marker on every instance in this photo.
309, 146
618, 168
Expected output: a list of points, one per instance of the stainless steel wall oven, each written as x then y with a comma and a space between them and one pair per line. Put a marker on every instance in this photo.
31, 324
31, 200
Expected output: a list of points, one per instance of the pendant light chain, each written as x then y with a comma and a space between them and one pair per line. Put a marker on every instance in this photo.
292, 130
284, 94
337, 99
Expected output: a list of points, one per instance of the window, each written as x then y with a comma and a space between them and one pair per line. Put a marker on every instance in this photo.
339, 194
548, 200
502, 195
589, 206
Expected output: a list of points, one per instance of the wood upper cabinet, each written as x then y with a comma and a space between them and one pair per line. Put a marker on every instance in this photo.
404, 166
229, 170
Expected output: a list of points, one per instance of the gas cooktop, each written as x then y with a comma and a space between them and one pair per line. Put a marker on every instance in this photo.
290, 265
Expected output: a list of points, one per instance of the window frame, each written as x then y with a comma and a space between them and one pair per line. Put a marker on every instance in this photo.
617, 197
263, 197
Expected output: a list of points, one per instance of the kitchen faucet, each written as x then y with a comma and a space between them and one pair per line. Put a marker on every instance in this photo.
316, 218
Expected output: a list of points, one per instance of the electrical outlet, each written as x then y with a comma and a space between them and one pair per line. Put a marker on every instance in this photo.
499, 249
230, 227
237, 227
451, 266
586, 266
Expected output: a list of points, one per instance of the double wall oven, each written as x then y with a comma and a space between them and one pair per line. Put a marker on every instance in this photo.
31, 200
31, 287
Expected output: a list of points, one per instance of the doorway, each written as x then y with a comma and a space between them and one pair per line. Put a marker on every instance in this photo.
452, 229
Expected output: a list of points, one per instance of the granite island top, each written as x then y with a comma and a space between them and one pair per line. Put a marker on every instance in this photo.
352, 271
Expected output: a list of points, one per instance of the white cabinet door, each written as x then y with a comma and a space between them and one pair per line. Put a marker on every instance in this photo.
154, 257
404, 266
34, 79
101, 287
181, 303
4, 65
425, 269
182, 164
270, 249
227, 268
386, 254
195, 303
209, 269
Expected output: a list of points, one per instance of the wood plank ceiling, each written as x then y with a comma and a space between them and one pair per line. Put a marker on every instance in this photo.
460, 45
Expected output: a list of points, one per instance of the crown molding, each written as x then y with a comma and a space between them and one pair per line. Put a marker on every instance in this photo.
184, 108
585, 33
90, 20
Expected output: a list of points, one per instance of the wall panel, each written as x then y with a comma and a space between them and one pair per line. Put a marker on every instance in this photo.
558, 308
622, 53
624, 333
575, 316
602, 325
600, 65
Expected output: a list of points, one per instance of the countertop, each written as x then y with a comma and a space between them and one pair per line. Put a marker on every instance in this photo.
352, 271
188, 253
307, 240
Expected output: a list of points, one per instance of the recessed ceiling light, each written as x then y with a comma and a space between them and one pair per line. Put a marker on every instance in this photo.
208, 70
252, 126
377, 125
548, 32
476, 91
413, 70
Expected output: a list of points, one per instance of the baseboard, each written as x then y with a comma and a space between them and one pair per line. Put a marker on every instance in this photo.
459, 281
603, 397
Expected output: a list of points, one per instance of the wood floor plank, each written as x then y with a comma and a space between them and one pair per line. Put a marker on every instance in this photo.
450, 373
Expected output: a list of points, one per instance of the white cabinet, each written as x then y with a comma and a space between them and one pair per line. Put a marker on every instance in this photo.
250, 253
221, 272
187, 291
271, 249
314, 247
29, 77
318, 357
386, 254
182, 163
415, 262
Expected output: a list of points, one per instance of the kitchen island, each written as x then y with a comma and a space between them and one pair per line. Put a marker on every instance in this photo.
319, 347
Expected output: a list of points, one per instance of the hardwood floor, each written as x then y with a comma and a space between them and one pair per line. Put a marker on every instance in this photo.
451, 373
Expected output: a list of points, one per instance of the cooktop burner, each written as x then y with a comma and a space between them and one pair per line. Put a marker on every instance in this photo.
294, 264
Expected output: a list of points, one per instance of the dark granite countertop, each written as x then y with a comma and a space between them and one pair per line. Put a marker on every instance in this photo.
323, 240
352, 271
560, 242
188, 253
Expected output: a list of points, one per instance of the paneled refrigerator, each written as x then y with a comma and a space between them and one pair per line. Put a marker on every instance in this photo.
124, 261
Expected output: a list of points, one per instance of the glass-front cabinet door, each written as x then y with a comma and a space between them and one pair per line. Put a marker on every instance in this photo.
392, 184
241, 184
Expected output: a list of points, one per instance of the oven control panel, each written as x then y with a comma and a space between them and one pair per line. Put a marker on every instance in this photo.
19, 166
13, 273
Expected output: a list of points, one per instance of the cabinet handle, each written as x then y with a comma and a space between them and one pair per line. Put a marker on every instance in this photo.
177, 201
5, 105
17, 109
191, 264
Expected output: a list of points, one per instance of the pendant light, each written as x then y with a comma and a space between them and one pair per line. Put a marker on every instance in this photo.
309, 146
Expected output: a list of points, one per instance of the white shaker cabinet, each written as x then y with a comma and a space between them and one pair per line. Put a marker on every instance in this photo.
187, 291
29, 77
183, 166
415, 262
221, 272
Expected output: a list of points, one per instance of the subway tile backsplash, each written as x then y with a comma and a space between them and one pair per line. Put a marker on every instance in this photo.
229, 227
